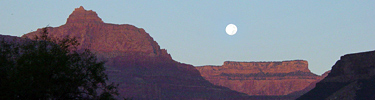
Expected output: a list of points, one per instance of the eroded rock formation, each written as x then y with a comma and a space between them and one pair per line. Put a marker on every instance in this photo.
261, 78
135, 60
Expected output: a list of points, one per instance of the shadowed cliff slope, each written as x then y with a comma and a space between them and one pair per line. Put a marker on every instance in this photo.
135, 60
352, 77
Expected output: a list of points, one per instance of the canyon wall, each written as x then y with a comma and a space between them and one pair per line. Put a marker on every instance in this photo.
135, 61
351, 78
261, 78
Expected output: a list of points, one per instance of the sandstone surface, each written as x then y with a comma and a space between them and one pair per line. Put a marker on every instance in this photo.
261, 78
135, 60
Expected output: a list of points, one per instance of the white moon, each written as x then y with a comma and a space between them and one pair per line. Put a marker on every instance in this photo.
231, 29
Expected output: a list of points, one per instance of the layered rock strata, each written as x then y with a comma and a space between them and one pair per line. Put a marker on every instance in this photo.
261, 78
135, 60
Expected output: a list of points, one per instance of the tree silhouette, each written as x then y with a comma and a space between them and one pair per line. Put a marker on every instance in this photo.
51, 68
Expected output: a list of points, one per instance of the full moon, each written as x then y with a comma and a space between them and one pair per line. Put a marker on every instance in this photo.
231, 29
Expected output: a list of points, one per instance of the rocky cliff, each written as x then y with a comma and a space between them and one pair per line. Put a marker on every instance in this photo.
135, 60
297, 94
261, 78
352, 77
102, 37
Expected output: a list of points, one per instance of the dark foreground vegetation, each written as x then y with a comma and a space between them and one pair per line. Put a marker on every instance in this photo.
51, 68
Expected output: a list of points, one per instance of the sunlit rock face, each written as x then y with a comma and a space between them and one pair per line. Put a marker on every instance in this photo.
261, 78
135, 60
96, 35
80, 15
351, 78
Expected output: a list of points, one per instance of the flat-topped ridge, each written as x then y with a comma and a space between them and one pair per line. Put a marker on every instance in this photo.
262, 67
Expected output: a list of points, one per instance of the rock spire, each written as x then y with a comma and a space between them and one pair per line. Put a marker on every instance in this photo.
80, 15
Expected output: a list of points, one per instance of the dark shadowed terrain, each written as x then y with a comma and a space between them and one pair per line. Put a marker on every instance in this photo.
352, 77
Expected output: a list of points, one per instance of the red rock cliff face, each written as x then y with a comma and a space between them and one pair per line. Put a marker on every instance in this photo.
96, 35
80, 15
135, 60
261, 78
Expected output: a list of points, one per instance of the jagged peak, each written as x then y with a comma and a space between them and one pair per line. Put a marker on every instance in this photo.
81, 15
80, 8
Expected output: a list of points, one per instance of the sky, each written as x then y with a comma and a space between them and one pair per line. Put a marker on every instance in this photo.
193, 31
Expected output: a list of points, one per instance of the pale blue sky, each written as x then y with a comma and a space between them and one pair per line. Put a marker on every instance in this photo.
193, 32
